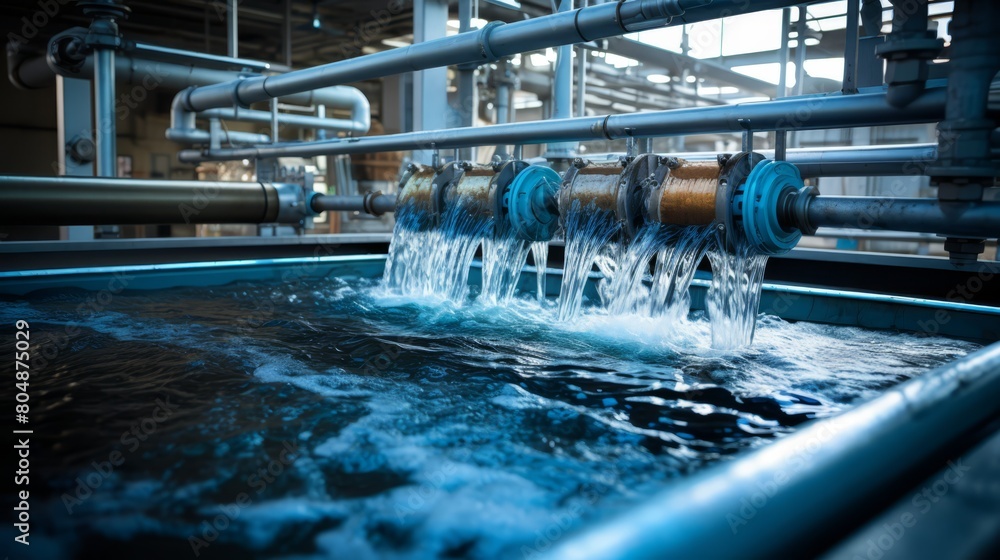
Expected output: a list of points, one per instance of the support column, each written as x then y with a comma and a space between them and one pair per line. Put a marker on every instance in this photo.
430, 87
76, 149
562, 97
468, 102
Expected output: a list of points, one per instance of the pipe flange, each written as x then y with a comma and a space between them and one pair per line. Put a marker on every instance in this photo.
759, 203
500, 189
532, 211
292, 207
368, 203
641, 175
735, 170
440, 185
67, 51
800, 209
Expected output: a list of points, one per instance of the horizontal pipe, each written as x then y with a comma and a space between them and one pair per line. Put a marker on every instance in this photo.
32, 73
917, 215
167, 54
847, 161
799, 113
100, 201
488, 44
861, 161
183, 130
784, 499
377, 203
301, 121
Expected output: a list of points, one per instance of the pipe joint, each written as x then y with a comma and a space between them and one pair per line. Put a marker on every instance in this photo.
293, 206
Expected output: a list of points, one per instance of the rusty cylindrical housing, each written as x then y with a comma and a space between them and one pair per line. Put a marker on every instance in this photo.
686, 196
416, 189
471, 189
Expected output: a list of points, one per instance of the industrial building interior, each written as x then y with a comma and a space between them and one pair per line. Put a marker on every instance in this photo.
501, 279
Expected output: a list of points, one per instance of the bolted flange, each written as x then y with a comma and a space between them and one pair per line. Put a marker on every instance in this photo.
758, 201
531, 205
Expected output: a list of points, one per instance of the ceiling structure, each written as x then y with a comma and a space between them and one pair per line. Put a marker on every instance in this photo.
323, 31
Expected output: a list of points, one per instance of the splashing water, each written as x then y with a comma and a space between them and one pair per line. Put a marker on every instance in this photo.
626, 291
434, 262
503, 259
587, 234
540, 255
676, 264
734, 296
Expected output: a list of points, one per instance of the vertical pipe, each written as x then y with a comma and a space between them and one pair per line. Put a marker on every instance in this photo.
215, 133
786, 24
503, 103
800, 52
800, 63
104, 112
467, 95
850, 84
430, 105
274, 120
321, 113
232, 28
581, 82
73, 115
288, 33
562, 97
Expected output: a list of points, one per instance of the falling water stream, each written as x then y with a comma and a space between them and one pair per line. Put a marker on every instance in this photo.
647, 275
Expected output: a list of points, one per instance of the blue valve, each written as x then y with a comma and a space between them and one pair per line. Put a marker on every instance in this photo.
531, 204
758, 206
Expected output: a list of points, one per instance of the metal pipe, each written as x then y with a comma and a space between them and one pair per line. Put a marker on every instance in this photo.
467, 98
846, 463
485, 45
786, 22
232, 28
104, 112
581, 83
812, 112
275, 133
372, 203
800, 52
100, 201
866, 161
286, 35
183, 130
562, 93
290, 119
151, 74
849, 161
979, 220
850, 82
203, 60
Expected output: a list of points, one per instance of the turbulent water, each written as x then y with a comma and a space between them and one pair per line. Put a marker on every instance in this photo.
337, 419
434, 261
